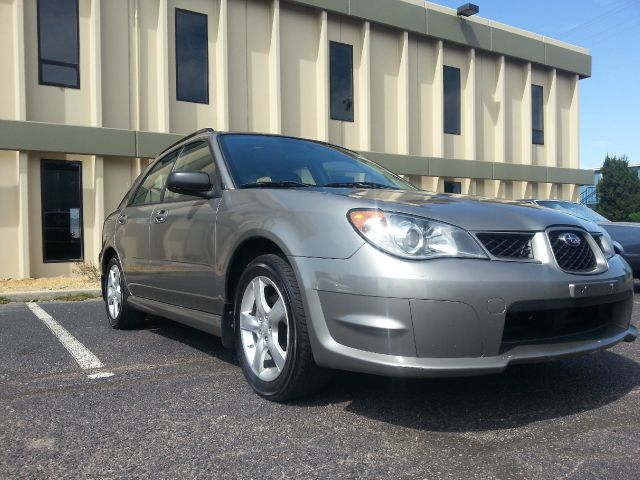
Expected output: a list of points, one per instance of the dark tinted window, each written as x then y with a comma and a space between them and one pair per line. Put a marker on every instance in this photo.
194, 157
537, 116
451, 100
452, 187
61, 210
152, 188
192, 57
341, 81
58, 46
263, 159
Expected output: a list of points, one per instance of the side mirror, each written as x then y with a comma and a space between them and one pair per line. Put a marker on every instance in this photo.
197, 184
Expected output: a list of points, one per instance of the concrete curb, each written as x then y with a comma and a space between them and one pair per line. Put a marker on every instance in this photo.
42, 295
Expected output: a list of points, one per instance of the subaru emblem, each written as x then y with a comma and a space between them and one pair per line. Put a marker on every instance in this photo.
570, 239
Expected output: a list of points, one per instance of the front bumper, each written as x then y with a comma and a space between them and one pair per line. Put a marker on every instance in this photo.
448, 317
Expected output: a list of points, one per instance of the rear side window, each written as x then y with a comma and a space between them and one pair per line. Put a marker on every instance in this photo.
151, 189
195, 157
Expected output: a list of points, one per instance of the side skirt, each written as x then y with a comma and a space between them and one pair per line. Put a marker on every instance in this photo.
207, 322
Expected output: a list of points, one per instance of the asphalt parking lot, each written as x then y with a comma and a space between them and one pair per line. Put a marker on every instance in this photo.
166, 401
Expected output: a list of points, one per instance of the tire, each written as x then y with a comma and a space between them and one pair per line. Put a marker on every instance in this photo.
116, 293
272, 341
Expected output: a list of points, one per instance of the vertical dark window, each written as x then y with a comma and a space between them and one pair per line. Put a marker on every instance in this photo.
62, 233
341, 81
452, 187
58, 43
537, 114
451, 93
192, 57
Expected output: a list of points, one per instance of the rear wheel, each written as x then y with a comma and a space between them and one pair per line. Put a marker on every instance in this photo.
116, 293
271, 332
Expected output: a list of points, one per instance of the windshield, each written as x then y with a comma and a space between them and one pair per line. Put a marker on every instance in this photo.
575, 209
256, 160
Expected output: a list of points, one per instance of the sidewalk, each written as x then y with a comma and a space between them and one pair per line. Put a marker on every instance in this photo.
42, 295
41, 289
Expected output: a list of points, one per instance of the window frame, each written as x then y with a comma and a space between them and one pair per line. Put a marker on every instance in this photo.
533, 129
41, 61
351, 117
458, 129
177, 48
43, 163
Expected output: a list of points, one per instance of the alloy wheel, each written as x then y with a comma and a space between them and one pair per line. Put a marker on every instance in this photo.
114, 292
264, 328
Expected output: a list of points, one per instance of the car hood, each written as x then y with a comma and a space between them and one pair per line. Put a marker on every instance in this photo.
620, 224
469, 212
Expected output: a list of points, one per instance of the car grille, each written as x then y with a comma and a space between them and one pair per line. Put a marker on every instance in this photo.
507, 245
535, 325
572, 259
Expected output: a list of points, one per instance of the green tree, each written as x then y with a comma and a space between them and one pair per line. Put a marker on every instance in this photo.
618, 191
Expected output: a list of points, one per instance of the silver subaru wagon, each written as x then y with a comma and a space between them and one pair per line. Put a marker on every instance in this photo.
308, 257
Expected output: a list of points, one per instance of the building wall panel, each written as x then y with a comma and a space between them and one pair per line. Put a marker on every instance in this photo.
249, 80
515, 79
10, 219
46, 103
539, 153
149, 93
454, 145
115, 70
8, 59
488, 107
300, 36
422, 70
564, 121
386, 49
186, 117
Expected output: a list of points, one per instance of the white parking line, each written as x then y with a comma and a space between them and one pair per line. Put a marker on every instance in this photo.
81, 354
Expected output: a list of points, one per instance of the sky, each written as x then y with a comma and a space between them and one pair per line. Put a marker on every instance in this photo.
610, 29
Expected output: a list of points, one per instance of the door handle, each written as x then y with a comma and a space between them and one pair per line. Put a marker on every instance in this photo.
161, 216
122, 219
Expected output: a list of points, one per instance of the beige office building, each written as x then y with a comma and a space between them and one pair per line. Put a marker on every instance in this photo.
92, 89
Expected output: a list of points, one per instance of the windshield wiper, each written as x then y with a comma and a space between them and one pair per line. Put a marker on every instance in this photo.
282, 184
357, 185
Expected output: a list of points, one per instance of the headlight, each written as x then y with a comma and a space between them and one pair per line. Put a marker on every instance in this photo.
606, 244
412, 237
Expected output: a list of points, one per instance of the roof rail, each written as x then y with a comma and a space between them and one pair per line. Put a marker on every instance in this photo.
187, 137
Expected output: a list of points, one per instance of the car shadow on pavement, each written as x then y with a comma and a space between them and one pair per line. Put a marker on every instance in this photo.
523, 394
520, 396
205, 342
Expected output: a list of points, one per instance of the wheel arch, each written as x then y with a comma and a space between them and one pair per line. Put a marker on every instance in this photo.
249, 249
244, 253
107, 255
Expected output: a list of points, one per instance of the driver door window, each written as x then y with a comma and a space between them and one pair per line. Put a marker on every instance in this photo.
194, 157
153, 186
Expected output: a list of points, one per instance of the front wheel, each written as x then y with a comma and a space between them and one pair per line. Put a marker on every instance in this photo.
271, 332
